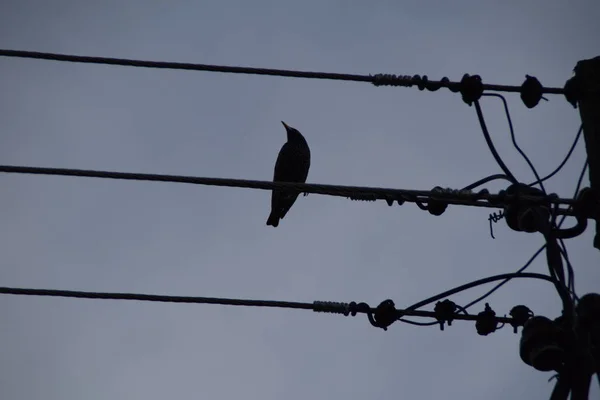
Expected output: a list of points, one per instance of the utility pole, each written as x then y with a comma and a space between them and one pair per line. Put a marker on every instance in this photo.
586, 89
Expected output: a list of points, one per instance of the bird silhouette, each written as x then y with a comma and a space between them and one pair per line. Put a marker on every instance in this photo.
292, 165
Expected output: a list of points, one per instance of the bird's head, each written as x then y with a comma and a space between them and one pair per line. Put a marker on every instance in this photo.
292, 133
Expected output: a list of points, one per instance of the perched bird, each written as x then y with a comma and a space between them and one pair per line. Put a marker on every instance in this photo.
292, 165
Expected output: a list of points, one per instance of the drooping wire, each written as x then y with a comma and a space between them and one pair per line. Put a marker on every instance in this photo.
494, 217
486, 180
514, 139
564, 161
432, 323
499, 285
490, 144
502, 277
417, 323
483, 281
497, 216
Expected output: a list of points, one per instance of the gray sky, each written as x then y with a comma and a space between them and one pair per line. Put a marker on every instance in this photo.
100, 235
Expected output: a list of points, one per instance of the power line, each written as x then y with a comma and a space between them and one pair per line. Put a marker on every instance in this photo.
316, 306
377, 79
490, 144
486, 180
449, 196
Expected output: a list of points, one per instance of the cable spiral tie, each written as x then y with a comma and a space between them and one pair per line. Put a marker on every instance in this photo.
332, 307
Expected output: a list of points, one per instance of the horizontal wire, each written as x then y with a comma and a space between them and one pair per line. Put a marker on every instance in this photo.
154, 298
377, 79
476, 199
317, 306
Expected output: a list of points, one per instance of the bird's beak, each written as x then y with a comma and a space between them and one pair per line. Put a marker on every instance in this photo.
287, 128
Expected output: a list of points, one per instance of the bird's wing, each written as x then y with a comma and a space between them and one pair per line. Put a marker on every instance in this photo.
291, 164
283, 166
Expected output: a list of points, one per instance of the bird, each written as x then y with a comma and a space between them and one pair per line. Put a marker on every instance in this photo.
292, 165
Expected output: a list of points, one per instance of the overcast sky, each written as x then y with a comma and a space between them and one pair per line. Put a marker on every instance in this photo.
103, 235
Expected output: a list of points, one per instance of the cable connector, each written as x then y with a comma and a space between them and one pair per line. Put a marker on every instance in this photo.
444, 312
526, 214
434, 206
520, 314
471, 88
332, 307
541, 345
385, 314
486, 322
531, 91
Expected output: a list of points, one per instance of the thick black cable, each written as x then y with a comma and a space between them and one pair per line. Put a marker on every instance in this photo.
485, 180
499, 285
155, 298
377, 79
490, 144
514, 139
412, 310
417, 323
372, 193
480, 282
564, 161
317, 306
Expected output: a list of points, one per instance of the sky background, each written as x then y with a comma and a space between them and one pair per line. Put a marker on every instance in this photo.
123, 236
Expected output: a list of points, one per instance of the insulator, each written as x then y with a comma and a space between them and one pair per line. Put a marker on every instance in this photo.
540, 345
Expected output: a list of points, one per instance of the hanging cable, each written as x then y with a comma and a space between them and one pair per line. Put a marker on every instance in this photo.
499, 285
486, 180
514, 139
484, 281
490, 144
564, 161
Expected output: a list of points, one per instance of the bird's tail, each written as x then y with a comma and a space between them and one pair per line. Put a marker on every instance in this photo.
273, 220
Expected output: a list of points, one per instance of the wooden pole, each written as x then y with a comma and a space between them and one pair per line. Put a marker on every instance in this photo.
587, 79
